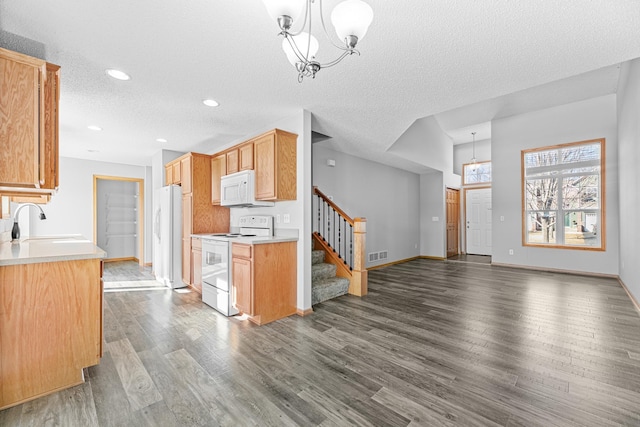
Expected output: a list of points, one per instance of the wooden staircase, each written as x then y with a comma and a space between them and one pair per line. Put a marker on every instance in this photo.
339, 250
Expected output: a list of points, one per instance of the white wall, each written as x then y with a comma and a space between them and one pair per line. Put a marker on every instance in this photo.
70, 211
629, 177
386, 196
463, 153
590, 119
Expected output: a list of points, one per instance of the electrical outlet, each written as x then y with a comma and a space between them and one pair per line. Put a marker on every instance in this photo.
510, 251
286, 218
501, 217
435, 219
278, 218
416, 246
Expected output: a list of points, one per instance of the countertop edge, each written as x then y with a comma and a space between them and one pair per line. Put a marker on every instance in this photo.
54, 258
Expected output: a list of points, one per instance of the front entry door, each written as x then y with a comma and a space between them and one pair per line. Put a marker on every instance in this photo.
478, 221
453, 221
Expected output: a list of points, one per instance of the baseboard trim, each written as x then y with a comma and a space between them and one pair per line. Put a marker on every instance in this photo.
147, 264
633, 300
555, 270
121, 259
305, 312
402, 261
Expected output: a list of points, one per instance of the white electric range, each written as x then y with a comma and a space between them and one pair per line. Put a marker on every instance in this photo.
217, 289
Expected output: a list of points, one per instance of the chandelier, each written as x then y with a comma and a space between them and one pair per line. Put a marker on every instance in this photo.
474, 163
351, 19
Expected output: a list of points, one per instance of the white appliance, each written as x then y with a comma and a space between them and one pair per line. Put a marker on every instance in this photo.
167, 236
238, 190
217, 278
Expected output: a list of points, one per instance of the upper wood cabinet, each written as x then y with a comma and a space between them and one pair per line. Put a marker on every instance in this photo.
246, 156
218, 170
29, 125
168, 174
275, 165
232, 162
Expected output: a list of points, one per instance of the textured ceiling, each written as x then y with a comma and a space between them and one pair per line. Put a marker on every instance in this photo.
452, 59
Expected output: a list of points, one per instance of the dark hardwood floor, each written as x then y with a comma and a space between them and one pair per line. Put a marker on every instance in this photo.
434, 343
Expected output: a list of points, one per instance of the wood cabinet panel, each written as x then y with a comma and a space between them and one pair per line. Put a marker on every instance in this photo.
186, 176
232, 162
218, 170
246, 156
168, 174
243, 285
50, 326
196, 263
50, 162
275, 165
176, 173
21, 108
186, 261
264, 280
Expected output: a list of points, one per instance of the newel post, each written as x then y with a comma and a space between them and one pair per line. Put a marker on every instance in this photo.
359, 279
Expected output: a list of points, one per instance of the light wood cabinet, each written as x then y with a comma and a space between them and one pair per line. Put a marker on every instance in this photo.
29, 127
198, 214
196, 263
275, 165
232, 162
246, 156
264, 280
50, 326
168, 174
176, 173
218, 170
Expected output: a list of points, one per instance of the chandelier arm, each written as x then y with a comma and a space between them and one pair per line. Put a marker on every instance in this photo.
326, 33
295, 49
307, 14
340, 58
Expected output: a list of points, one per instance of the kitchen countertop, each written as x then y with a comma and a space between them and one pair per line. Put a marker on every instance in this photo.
38, 249
252, 240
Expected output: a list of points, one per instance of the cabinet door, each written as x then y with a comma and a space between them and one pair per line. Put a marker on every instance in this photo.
51, 99
186, 261
21, 126
265, 167
187, 212
232, 161
243, 285
218, 170
177, 173
187, 175
168, 174
246, 157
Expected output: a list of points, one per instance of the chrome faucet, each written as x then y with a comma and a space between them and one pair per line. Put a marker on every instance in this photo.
15, 231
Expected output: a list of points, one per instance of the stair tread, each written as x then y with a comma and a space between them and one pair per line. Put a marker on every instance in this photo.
330, 281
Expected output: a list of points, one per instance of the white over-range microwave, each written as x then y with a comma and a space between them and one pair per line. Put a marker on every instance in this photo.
238, 190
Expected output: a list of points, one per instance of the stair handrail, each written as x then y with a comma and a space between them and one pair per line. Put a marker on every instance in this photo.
349, 244
333, 205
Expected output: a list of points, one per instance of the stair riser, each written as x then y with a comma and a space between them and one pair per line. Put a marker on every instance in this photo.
322, 271
329, 292
317, 257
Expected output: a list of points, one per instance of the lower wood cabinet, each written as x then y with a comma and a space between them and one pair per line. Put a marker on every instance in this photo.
196, 263
265, 280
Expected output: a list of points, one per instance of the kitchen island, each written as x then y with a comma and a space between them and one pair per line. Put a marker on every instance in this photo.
50, 315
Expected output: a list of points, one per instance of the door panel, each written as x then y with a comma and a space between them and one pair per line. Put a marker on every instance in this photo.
453, 221
478, 221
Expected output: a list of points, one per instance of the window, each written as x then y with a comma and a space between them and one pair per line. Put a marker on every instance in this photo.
480, 173
563, 196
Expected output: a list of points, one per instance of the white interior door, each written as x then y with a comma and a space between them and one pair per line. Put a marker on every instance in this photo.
478, 219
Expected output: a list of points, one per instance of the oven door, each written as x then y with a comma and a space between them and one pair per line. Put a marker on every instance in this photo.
215, 264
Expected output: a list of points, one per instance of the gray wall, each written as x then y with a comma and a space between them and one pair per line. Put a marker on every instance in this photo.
433, 215
388, 197
628, 155
590, 119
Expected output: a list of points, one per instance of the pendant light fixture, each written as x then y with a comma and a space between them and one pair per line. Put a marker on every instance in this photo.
351, 19
474, 164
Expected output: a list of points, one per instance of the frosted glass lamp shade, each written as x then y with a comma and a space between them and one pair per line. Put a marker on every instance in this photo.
291, 8
302, 41
352, 18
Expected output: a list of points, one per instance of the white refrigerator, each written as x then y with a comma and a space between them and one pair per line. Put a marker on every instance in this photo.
167, 236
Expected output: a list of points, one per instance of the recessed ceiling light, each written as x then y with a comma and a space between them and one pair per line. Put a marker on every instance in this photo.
161, 140
93, 151
117, 74
210, 103
94, 127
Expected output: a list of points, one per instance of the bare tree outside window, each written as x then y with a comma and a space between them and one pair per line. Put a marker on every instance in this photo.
562, 195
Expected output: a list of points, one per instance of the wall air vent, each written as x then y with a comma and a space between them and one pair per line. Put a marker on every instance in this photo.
382, 255
373, 256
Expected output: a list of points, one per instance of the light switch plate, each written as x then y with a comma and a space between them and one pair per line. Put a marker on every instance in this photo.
286, 218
